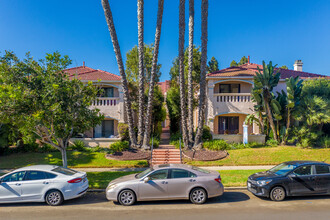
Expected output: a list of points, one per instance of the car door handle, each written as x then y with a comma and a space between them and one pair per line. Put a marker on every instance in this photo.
164, 182
17, 184
312, 178
192, 180
45, 182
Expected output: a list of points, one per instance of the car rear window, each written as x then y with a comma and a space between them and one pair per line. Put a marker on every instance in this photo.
321, 169
65, 171
200, 170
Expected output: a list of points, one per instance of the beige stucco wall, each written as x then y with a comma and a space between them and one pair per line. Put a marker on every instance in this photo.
230, 138
94, 142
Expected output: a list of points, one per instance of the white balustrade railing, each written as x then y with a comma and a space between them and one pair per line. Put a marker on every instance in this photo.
106, 101
233, 97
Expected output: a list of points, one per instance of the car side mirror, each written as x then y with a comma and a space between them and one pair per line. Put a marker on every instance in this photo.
146, 179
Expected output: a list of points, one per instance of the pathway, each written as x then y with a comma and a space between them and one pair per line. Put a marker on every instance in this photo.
165, 153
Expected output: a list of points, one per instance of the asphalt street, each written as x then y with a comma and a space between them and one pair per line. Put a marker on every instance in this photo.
232, 205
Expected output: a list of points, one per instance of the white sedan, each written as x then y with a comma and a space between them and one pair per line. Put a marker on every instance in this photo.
41, 183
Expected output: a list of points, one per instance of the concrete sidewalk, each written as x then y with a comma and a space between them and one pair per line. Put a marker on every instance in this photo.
143, 168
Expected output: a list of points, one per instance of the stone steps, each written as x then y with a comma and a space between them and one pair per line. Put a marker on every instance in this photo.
165, 156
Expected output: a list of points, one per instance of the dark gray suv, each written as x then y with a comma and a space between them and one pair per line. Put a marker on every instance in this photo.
293, 178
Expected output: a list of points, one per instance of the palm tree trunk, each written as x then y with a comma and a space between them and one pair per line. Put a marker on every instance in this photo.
127, 102
190, 66
147, 129
181, 73
141, 71
287, 127
262, 126
270, 119
202, 89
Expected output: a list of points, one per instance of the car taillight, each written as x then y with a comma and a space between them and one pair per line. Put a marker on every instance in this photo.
218, 179
77, 180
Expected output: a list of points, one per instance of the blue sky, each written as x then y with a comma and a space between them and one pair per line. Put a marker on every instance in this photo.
282, 31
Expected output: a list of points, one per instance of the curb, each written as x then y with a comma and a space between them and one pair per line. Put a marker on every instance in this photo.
226, 189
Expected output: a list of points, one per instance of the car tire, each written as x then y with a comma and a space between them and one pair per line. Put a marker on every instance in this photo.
277, 194
198, 196
126, 197
54, 198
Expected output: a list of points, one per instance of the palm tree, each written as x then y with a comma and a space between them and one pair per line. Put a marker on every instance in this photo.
147, 129
293, 88
266, 81
141, 72
181, 73
127, 102
190, 69
202, 89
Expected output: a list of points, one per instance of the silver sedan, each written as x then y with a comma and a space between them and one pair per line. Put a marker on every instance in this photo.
165, 182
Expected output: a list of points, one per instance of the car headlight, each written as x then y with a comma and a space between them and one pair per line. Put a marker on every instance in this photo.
111, 186
263, 182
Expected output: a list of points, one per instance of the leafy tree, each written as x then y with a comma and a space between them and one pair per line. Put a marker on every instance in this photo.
132, 64
233, 63
213, 65
243, 60
284, 67
173, 106
39, 99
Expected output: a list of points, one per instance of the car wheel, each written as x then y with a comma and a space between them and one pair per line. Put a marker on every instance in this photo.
198, 196
54, 198
126, 197
277, 193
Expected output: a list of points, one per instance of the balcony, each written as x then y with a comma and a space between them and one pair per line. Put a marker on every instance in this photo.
233, 97
109, 106
106, 101
232, 103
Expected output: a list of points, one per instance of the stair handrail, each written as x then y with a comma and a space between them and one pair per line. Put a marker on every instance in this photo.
180, 152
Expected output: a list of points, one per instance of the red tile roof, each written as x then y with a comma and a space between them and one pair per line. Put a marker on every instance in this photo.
87, 73
164, 86
250, 69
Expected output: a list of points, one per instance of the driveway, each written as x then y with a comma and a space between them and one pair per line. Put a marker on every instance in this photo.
232, 205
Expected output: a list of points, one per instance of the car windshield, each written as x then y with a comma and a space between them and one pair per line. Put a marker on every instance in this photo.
282, 169
142, 174
65, 171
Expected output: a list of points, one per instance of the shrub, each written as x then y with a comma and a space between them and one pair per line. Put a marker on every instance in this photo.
272, 143
119, 146
235, 146
79, 145
156, 142
324, 142
216, 145
206, 135
123, 131
175, 136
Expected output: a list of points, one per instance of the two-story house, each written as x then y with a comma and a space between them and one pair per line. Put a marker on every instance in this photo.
229, 99
110, 103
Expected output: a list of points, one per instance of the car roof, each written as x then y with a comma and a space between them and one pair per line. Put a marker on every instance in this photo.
38, 167
171, 165
304, 162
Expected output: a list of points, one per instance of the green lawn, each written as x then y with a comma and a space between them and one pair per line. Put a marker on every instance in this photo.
100, 180
267, 156
75, 160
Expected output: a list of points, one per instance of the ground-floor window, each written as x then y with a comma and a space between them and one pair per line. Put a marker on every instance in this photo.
228, 124
104, 130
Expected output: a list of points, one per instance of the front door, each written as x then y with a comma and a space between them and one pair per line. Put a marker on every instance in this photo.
156, 187
302, 181
34, 185
10, 187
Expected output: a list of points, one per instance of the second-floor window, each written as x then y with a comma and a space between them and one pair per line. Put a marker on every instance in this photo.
107, 92
229, 88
